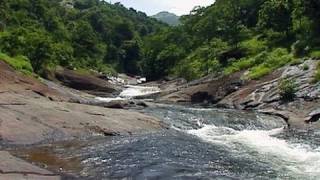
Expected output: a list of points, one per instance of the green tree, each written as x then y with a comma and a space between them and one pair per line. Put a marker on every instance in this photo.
275, 15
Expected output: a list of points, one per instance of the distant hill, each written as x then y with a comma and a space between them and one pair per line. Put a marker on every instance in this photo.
168, 18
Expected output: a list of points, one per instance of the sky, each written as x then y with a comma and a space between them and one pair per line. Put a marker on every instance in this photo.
152, 7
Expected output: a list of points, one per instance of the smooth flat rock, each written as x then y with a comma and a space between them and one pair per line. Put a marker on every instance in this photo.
12, 168
27, 177
33, 112
28, 120
85, 82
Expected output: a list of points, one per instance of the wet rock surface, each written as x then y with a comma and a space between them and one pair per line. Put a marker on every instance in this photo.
207, 90
34, 111
86, 82
15, 168
262, 95
313, 116
42, 120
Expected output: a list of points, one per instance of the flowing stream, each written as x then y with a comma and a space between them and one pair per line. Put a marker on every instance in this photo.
131, 92
204, 143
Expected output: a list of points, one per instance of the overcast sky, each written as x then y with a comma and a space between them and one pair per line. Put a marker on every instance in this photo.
152, 7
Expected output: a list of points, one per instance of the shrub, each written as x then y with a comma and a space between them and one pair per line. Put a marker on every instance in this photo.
287, 89
19, 63
305, 67
259, 71
189, 71
300, 48
203, 61
315, 54
279, 57
253, 46
296, 61
275, 59
242, 64
246, 63
317, 74
106, 69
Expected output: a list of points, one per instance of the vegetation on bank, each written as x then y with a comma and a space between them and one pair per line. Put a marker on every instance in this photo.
317, 74
77, 34
287, 89
19, 63
228, 36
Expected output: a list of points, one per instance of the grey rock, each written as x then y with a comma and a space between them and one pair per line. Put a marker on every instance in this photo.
313, 116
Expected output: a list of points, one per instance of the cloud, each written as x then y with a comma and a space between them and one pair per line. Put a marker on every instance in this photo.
151, 7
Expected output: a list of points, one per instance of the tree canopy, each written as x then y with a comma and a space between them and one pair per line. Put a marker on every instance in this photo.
232, 35
75, 33
228, 36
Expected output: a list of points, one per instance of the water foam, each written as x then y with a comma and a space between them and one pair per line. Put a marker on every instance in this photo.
109, 99
131, 92
134, 91
300, 159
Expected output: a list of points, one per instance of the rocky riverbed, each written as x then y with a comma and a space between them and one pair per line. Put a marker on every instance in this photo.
71, 109
32, 112
235, 92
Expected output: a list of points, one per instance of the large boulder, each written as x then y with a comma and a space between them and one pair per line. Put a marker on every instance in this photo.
33, 112
34, 119
13, 81
263, 95
314, 116
86, 82
210, 90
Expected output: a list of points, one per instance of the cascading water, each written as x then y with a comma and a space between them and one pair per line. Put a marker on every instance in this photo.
206, 144
131, 92
295, 159
134, 91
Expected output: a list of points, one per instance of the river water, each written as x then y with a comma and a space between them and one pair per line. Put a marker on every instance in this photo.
201, 143
204, 144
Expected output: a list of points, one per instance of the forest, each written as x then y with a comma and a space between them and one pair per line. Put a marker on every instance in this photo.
226, 37
81, 34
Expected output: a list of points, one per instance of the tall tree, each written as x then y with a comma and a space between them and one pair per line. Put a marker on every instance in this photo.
276, 15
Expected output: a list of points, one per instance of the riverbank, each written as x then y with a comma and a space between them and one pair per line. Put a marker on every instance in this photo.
202, 143
236, 92
32, 112
65, 113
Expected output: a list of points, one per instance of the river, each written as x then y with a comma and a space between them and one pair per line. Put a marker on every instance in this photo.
206, 144
203, 143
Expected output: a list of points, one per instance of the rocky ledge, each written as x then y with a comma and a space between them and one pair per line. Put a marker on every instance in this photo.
32, 112
233, 91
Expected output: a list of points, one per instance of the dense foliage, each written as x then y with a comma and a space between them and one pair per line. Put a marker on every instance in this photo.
287, 89
234, 35
226, 37
88, 34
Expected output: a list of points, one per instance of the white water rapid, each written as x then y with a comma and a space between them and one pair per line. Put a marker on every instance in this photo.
299, 160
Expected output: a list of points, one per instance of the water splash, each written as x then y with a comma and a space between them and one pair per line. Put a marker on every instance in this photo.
134, 91
299, 159
131, 92
109, 99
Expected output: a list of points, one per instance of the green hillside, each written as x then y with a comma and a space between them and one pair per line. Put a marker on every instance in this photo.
89, 34
229, 36
168, 18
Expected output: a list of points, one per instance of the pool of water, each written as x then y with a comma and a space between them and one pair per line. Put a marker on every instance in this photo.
201, 144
